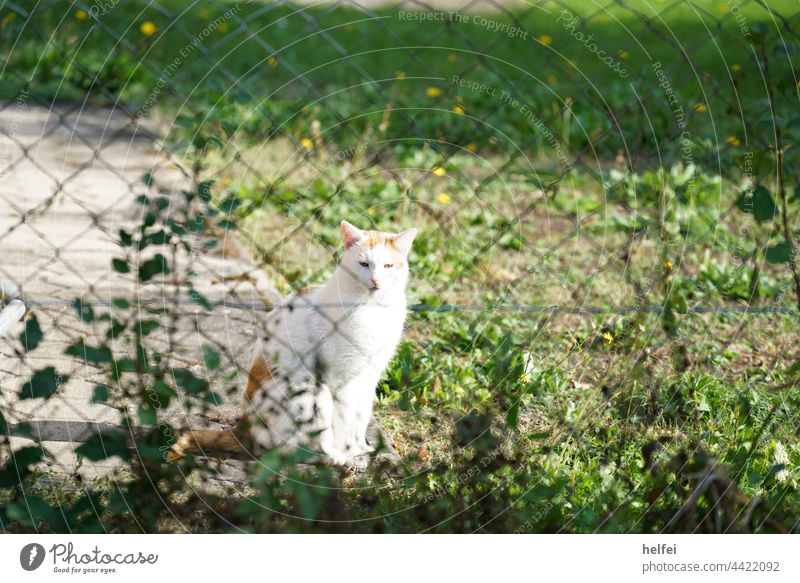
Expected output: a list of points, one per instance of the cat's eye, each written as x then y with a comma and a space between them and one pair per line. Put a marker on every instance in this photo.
388, 266
363, 264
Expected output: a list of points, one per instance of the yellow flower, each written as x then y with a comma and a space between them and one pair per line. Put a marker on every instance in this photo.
551, 80
608, 337
307, 143
668, 265
148, 28
433, 92
624, 54
223, 27
272, 62
81, 15
452, 58
546, 40
459, 109
701, 107
723, 7
400, 75
733, 141
439, 171
444, 198
736, 68
472, 147
205, 14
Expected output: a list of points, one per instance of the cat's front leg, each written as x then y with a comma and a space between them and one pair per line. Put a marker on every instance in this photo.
345, 427
362, 447
355, 447
363, 416
334, 456
324, 420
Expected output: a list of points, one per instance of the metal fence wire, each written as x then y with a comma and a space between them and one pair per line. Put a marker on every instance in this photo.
568, 165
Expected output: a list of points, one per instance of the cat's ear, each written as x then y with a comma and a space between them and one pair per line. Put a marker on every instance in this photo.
403, 240
351, 234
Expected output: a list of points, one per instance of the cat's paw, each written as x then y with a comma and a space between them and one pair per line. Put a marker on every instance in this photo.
357, 464
365, 449
335, 458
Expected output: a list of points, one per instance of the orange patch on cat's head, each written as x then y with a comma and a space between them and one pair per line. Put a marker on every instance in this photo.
397, 244
374, 238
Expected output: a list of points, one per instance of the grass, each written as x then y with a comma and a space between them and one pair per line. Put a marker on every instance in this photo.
592, 410
565, 367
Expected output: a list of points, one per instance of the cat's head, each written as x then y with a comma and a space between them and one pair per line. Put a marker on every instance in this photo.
377, 260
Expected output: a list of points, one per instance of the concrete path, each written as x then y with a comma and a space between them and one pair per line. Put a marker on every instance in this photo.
68, 183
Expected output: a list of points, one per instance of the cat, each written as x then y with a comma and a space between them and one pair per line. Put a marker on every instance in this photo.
314, 372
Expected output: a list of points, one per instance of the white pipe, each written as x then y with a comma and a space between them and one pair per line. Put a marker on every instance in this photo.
15, 308
13, 312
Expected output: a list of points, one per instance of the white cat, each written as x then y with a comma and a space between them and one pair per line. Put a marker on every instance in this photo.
313, 375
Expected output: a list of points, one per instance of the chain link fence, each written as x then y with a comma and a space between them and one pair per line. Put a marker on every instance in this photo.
611, 182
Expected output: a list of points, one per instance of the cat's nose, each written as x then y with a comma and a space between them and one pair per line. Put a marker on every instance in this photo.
374, 281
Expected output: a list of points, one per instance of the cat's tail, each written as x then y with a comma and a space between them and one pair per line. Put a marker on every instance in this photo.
209, 442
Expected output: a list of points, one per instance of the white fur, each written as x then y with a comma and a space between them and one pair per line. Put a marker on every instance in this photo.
329, 348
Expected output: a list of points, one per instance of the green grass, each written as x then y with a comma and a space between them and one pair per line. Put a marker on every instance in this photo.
332, 65
603, 415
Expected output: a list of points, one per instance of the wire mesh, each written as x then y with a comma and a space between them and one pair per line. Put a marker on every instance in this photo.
568, 165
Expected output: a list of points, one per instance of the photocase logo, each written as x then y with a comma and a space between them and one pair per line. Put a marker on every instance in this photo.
31, 556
